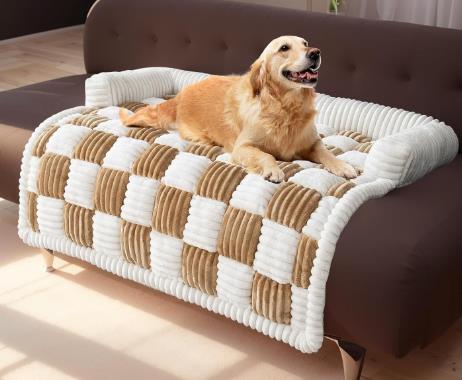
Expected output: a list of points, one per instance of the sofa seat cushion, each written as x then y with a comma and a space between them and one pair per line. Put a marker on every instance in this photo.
21, 111
26, 107
395, 281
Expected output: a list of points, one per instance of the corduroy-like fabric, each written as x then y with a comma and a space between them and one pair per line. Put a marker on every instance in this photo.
110, 190
149, 206
94, 147
271, 299
52, 176
78, 224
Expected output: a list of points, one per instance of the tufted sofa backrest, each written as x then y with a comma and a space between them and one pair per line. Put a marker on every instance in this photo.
417, 68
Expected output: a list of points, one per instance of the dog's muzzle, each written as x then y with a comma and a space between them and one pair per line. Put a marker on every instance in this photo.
314, 56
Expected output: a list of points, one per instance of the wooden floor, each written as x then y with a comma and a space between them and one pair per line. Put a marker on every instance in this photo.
81, 323
27, 60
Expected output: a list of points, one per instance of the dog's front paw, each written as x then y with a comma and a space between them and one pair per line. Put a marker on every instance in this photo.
273, 174
342, 169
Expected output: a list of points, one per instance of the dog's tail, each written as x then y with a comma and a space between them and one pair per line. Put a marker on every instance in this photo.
162, 115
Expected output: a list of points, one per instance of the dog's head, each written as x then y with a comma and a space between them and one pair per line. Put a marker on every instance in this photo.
288, 62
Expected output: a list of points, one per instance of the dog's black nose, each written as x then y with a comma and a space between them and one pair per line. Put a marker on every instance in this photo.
314, 54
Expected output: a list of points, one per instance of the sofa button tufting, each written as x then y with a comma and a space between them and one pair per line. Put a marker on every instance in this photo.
405, 76
187, 40
154, 38
114, 34
224, 46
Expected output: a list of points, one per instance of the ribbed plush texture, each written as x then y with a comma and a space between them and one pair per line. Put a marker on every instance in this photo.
220, 181
149, 206
199, 269
110, 190
146, 134
238, 238
95, 147
171, 211
271, 299
52, 176
136, 244
292, 205
154, 161
78, 224
209, 151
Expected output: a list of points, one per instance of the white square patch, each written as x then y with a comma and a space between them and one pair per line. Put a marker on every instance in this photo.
276, 251
306, 164
166, 254
253, 194
224, 157
153, 101
355, 158
65, 139
298, 307
106, 234
50, 215
342, 142
234, 281
80, 186
318, 179
123, 153
172, 139
114, 127
185, 171
112, 112
318, 218
139, 200
32, 176
325, 130
204, 223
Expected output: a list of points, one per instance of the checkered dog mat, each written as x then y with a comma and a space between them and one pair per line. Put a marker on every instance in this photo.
177, 216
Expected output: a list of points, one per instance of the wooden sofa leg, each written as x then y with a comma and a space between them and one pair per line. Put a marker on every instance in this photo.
352, 358
48, 257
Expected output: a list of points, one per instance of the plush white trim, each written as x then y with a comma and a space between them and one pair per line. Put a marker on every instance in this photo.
106, 89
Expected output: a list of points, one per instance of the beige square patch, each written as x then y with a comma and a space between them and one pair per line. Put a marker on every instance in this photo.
52, 175
78, 224
306, 252
239, 235
199, 269
136, 244
340, 189
93, 148
110, 190
89, 120
292, 205
32, 211
209, 151
171, 209
220, 180
271, 299
41, 144
146, 134
289, 169
154, 161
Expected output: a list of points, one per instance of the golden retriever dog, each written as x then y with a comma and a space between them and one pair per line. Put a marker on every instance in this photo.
265, 115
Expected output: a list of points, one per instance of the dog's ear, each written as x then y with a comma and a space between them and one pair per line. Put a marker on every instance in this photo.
257, 76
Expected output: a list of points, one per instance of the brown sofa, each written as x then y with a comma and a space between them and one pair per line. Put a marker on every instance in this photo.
401, 286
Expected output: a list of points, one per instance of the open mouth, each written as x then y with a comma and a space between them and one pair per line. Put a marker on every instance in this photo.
305, 76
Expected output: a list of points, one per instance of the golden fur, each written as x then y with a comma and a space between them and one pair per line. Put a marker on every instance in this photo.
259, 117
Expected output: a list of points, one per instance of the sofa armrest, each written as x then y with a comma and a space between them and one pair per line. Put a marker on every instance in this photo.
113, 88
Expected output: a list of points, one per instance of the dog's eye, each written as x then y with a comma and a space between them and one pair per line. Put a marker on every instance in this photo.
305, 43
284, 48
